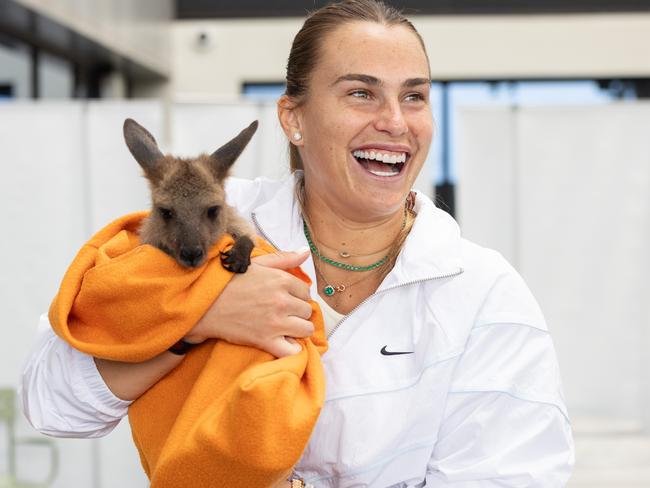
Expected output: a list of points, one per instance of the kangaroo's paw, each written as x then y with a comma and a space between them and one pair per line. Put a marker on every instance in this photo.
238, 258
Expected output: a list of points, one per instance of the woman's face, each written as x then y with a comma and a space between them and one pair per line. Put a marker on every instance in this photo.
366, 121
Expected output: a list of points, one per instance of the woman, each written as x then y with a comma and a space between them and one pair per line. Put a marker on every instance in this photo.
440, 370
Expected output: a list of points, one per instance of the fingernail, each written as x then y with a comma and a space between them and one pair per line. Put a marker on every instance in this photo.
302, 250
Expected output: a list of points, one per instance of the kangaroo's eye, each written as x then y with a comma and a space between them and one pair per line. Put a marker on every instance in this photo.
165, 213
213, 212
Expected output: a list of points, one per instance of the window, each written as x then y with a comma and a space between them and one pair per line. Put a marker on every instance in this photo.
15, 70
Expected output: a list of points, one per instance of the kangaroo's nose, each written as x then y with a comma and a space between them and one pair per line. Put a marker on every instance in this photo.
191, 256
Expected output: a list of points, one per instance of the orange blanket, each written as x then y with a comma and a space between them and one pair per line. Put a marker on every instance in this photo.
227, 415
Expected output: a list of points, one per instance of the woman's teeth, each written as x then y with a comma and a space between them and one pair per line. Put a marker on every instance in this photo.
381, 157
383, 173
380, 163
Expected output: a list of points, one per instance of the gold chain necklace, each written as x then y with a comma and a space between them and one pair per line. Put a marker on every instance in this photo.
345, 254
346, 266
338, 264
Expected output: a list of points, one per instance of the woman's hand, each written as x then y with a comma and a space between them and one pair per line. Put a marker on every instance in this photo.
264, 307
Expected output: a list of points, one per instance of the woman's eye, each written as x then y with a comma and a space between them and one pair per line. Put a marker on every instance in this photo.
213, 212
165, 213
360, 94
414, 97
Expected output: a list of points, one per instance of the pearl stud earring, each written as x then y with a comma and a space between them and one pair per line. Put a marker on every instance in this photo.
297, 136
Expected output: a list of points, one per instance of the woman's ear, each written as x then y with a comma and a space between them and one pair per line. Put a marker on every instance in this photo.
289, 116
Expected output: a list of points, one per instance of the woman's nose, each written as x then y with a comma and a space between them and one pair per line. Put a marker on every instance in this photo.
391, 119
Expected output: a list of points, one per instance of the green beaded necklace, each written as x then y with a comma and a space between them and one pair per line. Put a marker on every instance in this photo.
338, 264
330, 290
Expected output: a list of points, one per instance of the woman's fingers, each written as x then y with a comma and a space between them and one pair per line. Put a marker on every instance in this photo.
298, 288
297, 327
263, 307
282, 260
295, 307
286, 261
283, 346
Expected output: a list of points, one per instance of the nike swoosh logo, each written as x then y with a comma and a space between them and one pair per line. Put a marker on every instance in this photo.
393, 353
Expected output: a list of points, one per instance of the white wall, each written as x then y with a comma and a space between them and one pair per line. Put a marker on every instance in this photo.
43, 225
584, 231
563, 192
114, 182
486, 194
200, 128
237, 50
42, 213
529, 46
66, 172
460, 47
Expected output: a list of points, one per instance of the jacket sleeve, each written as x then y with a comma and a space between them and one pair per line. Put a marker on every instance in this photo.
62, 393
505, 422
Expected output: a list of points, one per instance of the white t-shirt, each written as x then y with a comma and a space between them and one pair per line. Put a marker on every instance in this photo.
331, 317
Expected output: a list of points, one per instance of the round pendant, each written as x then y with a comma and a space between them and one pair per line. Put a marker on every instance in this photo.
329, 290
344, 254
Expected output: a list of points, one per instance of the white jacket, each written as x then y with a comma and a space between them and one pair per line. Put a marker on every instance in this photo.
475, 401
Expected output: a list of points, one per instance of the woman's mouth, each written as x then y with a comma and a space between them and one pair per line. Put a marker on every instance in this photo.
381, 162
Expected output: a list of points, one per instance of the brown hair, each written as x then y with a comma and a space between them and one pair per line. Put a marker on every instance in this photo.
304, 53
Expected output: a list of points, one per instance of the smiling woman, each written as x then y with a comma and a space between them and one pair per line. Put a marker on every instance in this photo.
440, 369
366, 126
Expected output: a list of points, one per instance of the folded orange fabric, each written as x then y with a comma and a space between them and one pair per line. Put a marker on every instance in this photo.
228, 415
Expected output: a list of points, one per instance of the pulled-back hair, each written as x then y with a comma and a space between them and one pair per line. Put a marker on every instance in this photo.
305, 50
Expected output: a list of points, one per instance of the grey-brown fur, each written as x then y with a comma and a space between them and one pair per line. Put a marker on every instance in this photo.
189, 211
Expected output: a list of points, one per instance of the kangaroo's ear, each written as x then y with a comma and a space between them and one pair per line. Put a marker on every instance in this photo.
223, 158
144, 148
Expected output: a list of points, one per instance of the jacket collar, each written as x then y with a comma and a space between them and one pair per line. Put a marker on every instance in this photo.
431, 250
279, 219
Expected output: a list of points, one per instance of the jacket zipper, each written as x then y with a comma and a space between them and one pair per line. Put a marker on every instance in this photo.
259, 228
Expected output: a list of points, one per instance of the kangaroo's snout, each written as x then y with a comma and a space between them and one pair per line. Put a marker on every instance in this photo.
191, 256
